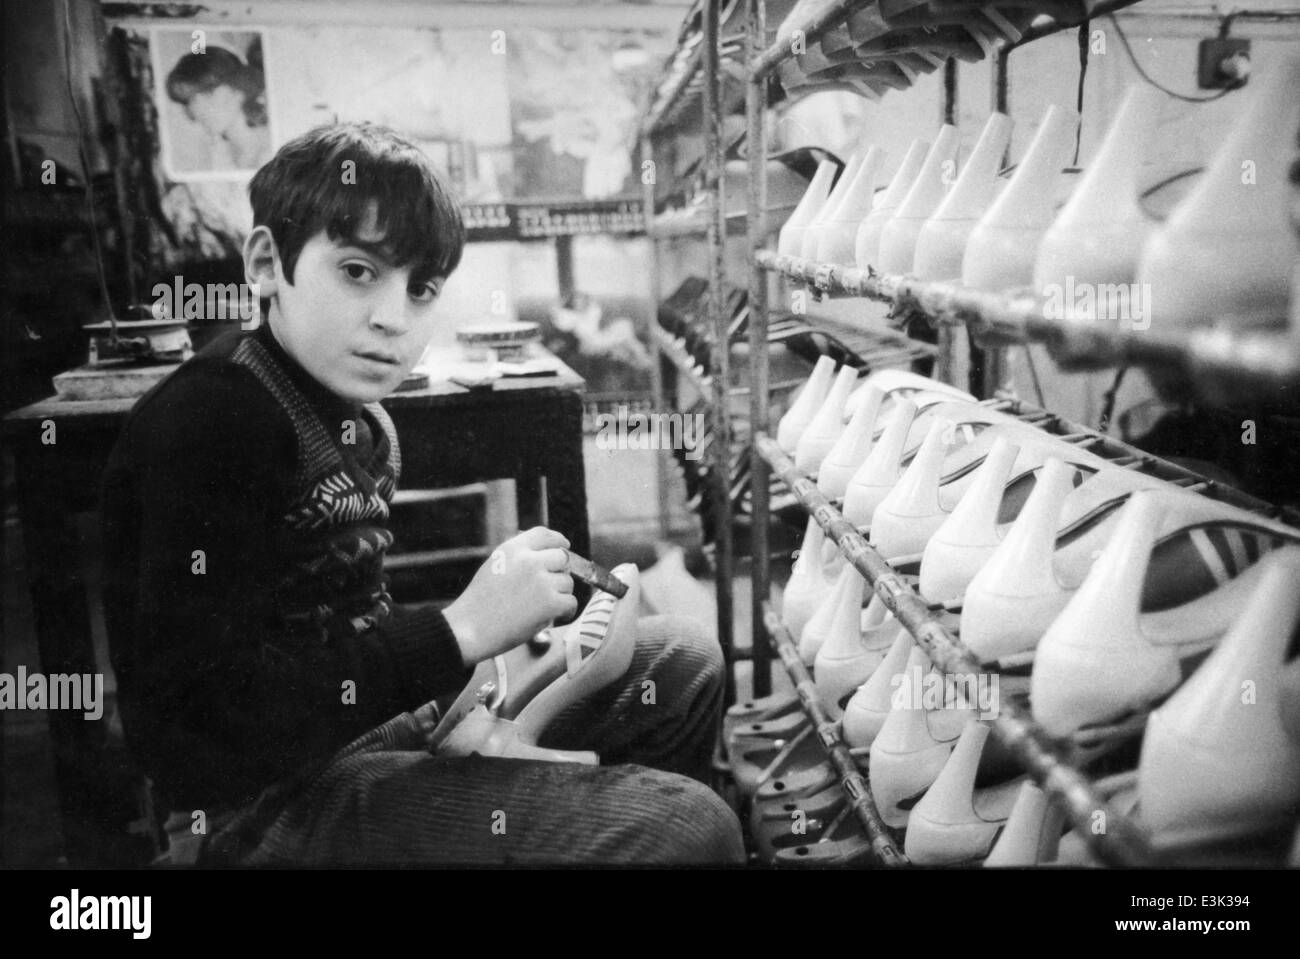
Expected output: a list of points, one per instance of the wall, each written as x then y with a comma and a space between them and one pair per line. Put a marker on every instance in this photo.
37, 100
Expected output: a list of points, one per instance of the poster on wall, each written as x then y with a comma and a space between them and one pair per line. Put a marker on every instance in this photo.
210, 90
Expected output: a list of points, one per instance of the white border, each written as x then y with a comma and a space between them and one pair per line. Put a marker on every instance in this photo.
159, 94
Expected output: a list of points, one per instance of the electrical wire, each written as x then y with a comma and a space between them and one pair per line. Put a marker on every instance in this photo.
1083, 72
1108, 399
85, 170
1159, 86
1033, 375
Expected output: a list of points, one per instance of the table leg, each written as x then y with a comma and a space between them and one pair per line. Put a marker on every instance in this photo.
566, 476
63, 633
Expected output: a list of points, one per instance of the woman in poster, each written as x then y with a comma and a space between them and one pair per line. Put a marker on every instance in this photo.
227, 98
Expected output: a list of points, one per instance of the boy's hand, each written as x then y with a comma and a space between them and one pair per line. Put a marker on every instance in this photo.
521, 588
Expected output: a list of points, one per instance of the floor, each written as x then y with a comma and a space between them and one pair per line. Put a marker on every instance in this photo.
622, 506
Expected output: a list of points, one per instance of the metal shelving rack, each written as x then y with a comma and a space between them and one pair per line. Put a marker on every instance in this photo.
1264, 362
1218, 363
701, 62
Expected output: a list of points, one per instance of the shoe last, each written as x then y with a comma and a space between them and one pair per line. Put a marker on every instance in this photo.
1228, 249
970, 534
852, 447
805, 405
942, 239
911, 512
836, 44
1001, 251
1135, 621
882, 467
773, 821
796, 780
869, 705
840, 230
902, 383
1008, 598
953, 823
812, 233
1032, 833
913, 743
924, 494
815, 61
928, 46
898, 236
790, 238
759, 709
772, 804
827, 425
841, 610
866, 245
866, 24
1005, 28
1092, 663
1216, 759
1098, 235
895, 11
807, 585
985, 23
848, 658
999, 28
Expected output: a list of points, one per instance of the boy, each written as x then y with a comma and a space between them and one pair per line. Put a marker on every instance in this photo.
245, 508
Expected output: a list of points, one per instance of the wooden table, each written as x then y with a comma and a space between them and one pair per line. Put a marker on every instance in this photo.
526, 429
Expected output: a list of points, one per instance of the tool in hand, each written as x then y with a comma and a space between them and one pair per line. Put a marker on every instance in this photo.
588, 572
593, 575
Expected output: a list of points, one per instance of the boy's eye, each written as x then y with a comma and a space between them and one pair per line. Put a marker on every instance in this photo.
358, 271
424, 294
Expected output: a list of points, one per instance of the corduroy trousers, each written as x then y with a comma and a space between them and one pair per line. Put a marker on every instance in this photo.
385, 799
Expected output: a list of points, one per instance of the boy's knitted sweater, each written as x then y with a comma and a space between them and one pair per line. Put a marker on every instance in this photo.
245, 511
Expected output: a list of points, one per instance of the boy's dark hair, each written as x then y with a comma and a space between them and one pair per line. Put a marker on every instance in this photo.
307, 187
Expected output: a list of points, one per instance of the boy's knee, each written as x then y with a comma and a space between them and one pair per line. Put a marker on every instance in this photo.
685, 647
692, 824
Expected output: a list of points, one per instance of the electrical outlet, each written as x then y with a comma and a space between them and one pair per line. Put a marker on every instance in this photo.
1222, 62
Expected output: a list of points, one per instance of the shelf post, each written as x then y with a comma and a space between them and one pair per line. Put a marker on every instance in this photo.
759, 401
721, 472
649, 179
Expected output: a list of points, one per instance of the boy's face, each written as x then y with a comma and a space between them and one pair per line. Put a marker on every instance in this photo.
352, 319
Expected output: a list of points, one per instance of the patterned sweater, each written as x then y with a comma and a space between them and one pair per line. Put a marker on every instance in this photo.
244, 515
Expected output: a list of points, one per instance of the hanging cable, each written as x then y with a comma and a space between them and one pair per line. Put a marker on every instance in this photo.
1147, 77
1083, 72
1033, 375
1108, 399
85, 171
